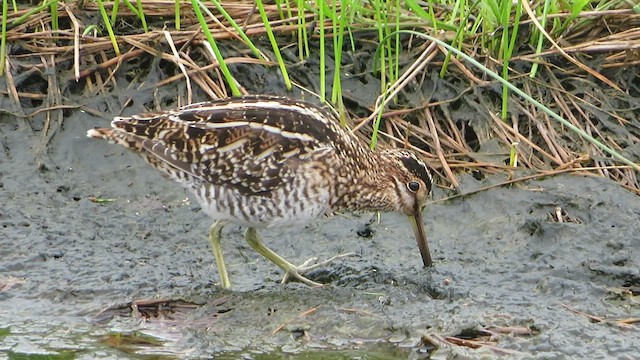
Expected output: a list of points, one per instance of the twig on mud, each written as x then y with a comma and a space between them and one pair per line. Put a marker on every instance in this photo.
629, 321
111, 62
474, 344
530, 177
515, 330
206, 83
359, 311
434, 339
441, 341
623, 324
7, 283
302, 314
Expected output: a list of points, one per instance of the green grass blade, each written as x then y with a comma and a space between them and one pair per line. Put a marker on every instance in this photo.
3, 35
397, 41
505, 18
274, 44
350, 19
141, 16
177, 11
376, 127
303, 40
543, 22
137, 10
385, 6
91, 28
458, 6
492, 12
577, 6
508, 51
31, 11
107, 24
516, 27
430, 18
419, 11
338, 41
289, 11
54, 15
381, 40
489, 17
114, 11
129, 5
323, 74
457, 39
231, 82
513, 155
239, 30
279, 8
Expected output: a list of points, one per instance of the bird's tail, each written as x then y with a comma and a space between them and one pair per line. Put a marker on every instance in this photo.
117, 136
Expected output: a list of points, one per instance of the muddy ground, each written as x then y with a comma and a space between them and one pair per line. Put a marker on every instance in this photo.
70, 267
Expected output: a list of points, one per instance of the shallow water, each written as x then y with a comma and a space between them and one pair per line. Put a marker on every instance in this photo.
70, 268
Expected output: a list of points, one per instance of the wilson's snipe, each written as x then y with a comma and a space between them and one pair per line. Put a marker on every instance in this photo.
264, 161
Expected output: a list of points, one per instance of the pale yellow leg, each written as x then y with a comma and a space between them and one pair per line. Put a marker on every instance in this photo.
306, 267
291, 271
214, 236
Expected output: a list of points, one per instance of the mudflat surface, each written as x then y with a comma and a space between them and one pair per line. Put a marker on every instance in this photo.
71, 267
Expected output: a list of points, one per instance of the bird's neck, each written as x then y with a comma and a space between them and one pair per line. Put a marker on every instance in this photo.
367, 185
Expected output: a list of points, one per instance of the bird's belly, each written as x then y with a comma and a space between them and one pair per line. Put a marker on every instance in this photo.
262, 211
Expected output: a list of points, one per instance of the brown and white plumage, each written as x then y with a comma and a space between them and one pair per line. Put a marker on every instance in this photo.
263, 161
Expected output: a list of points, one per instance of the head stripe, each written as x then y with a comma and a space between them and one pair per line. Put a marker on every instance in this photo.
418, 168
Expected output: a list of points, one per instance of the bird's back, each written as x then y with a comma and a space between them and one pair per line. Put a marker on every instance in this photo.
258, 160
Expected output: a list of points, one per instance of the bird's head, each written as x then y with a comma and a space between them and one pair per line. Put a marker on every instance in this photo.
413, 182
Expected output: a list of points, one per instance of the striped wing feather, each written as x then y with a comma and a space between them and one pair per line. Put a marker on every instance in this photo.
253, 145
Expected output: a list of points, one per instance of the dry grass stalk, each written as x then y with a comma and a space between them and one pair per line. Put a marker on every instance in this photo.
448, 143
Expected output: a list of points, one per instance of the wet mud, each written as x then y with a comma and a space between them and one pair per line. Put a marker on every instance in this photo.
101, 257
72, 267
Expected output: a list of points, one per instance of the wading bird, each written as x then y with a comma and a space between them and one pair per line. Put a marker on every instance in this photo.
263, 162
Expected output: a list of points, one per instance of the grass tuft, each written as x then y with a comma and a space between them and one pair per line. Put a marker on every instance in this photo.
517, 42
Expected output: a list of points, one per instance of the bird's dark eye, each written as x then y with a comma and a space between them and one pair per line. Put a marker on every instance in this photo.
413, 186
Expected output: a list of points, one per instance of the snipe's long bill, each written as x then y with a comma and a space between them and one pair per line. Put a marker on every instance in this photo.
263, 161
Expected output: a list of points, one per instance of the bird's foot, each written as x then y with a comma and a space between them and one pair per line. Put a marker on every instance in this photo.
295, 273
